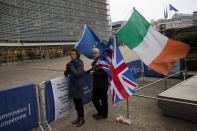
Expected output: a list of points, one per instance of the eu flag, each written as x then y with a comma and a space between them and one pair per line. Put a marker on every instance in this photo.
88, 41
172, 8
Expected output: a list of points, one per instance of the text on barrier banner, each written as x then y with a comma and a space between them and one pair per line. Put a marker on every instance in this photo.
19, 109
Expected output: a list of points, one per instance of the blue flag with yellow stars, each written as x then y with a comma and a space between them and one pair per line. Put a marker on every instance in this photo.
88, 41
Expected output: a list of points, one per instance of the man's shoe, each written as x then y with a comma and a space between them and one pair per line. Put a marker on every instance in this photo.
95, 115
100, 117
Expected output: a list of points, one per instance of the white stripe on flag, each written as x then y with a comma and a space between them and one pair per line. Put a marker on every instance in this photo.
122, 81
151, 46
116, 90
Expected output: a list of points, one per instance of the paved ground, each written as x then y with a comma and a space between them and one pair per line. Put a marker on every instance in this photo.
144, 113
25, 73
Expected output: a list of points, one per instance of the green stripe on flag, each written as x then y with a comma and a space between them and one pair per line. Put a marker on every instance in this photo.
134, 31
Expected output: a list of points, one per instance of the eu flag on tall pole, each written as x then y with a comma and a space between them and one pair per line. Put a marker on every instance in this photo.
172, 8
88, 41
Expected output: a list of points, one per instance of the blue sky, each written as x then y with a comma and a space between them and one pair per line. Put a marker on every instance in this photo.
150, 9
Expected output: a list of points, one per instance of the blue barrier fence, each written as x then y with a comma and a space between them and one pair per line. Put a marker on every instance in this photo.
57, 101
151, 73
178, 66
135, 67
88, 87
49, 100
19, 108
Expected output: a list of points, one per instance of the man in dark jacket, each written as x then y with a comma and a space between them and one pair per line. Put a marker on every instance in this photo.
100, 87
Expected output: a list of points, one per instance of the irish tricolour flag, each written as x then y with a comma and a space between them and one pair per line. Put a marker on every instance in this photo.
156, 50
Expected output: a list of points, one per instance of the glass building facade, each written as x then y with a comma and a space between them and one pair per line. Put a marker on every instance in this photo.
195, 18
52, 20
45, 29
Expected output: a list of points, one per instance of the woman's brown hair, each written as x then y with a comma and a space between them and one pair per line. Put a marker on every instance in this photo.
77, 51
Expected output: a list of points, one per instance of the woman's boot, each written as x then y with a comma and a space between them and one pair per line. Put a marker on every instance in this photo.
81, 122
76, 121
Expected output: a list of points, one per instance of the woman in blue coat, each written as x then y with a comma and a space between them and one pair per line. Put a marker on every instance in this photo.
75, 71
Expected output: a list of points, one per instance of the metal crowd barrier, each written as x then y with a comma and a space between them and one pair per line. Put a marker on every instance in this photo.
21, 100
42, 105
39, 105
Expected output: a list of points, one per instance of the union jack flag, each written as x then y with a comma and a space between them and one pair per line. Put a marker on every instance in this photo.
122, 83
104, 64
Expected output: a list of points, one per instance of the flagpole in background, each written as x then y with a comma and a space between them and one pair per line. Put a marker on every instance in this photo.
170, 9
170, 14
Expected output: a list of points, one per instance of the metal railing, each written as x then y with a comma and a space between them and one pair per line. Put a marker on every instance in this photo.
163, 79
156, 98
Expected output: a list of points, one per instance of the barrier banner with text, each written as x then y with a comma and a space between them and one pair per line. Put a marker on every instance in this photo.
19, 108
88, 87
135, 67
178, 66
57, 101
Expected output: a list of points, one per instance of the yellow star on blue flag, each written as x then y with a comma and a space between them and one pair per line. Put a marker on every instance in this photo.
88, 41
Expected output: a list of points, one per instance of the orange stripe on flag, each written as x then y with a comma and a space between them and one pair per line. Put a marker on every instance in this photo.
172, 51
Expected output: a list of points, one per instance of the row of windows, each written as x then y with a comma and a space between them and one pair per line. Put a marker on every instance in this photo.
39, 5
43, 31
32, 13
20, 22
44, 21
50, 23
40, 30
195, 18
50, 32
44, 37
40, 38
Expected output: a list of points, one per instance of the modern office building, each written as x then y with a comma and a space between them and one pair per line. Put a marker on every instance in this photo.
116, 26
195, 18
30, 27
186, 20
177, 21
